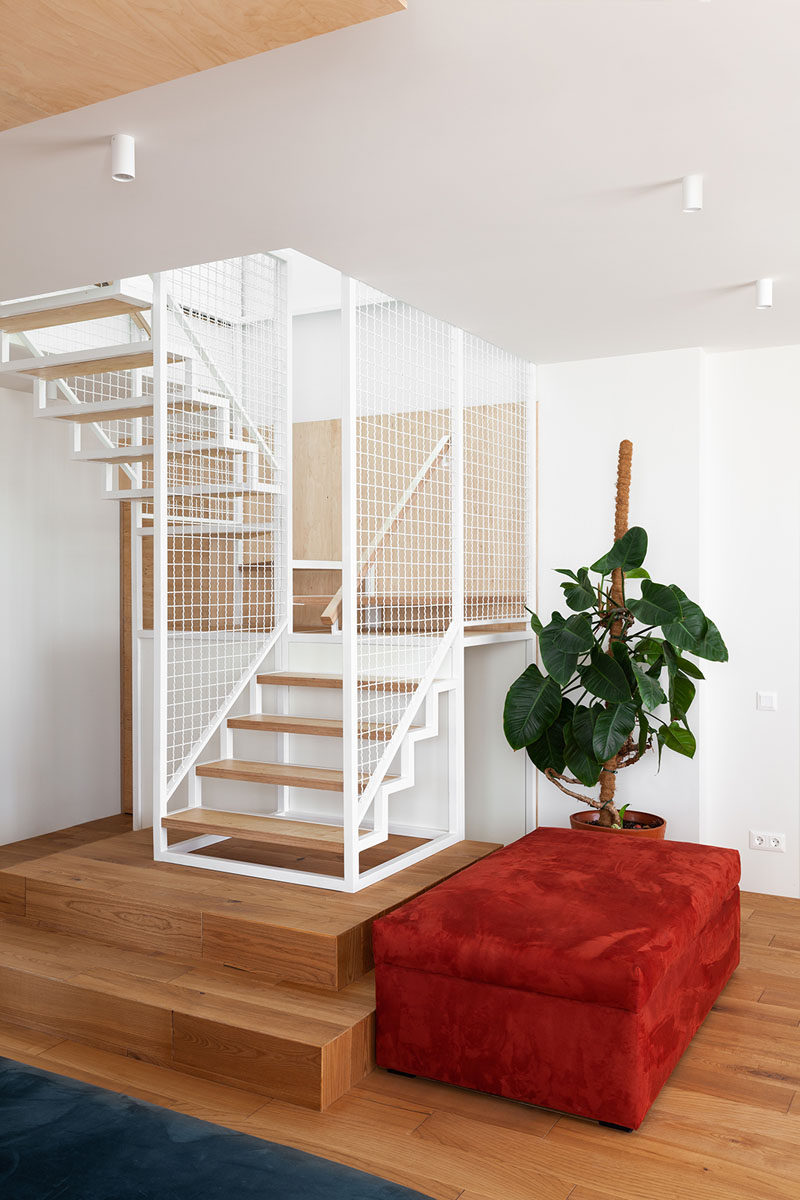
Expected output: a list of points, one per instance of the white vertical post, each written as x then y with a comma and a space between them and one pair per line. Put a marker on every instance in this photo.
160, 578
286, 583
136, 657
531, 572
455, 716
349, 577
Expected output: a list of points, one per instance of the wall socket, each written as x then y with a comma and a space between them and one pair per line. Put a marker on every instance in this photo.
776, 842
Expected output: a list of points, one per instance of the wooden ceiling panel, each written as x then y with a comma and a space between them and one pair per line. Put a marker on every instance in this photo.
58, 55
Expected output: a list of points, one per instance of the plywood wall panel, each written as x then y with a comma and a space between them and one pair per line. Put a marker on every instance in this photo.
58, 55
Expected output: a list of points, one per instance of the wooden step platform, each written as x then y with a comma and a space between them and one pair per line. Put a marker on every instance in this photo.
243, 981
111, 890
297, 1044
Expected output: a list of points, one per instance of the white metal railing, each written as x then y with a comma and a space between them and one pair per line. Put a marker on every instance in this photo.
220, 506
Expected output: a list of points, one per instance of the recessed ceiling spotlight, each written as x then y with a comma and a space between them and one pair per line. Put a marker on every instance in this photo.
763, 293
692, 193
123, 158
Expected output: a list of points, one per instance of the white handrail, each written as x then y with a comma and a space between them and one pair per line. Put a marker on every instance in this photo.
333, 611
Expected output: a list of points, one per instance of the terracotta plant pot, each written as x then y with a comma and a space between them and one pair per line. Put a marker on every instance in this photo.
653, 827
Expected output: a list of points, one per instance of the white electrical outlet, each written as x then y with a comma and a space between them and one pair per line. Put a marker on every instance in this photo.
776, 842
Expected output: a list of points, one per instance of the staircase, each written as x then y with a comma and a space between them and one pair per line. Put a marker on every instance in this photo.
249, 753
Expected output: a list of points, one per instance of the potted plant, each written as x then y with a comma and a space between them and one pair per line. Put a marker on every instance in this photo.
609, 666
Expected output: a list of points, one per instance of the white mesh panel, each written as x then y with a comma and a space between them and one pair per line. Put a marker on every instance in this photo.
495, 482
226, 486
404, 395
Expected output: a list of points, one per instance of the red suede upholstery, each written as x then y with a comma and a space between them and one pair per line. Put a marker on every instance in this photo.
566, 970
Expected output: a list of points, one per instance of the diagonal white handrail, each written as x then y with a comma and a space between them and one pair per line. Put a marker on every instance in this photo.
180, 316
333, 612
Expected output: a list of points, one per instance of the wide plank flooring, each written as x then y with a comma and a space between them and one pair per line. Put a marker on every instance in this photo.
726, 1126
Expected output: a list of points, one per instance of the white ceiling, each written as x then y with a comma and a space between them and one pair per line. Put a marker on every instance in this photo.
510, 165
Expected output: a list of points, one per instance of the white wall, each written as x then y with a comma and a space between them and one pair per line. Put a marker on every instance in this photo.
59, 606
751, 584
494, 773
716, 484
585, 410
317, 366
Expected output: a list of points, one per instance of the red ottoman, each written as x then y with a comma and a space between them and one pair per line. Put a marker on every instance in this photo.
569, 970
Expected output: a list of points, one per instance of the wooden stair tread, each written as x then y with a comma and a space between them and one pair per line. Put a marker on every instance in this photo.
121, 410
284, 774
103, 410
140, 453
323, 680
317, 726
87, 304
94, 361
253, 826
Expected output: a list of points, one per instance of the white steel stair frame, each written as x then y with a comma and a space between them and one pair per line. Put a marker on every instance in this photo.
40, 391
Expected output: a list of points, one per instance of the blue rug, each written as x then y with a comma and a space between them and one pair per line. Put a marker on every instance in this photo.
64, 1140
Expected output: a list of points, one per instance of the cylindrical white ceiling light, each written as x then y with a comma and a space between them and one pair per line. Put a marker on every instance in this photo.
763, 293
123, 158
692, 193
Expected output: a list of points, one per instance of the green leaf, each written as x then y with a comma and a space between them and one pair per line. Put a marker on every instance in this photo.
644, 731
567, 572
637, 573
547, 752
677, 738
681, 694
628, 553
689, 668
533, 702
707, 641
671, 659
561, 642
658, 606
614, 726
620, 654
605, 678
691, 627
584, 720
580, 596
712, 646
582, 765
650, 689
649, 649
536, 624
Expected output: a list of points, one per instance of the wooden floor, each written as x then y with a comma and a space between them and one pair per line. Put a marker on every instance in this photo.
726, 1126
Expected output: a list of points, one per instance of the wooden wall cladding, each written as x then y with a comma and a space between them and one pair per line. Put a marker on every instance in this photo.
317, 499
